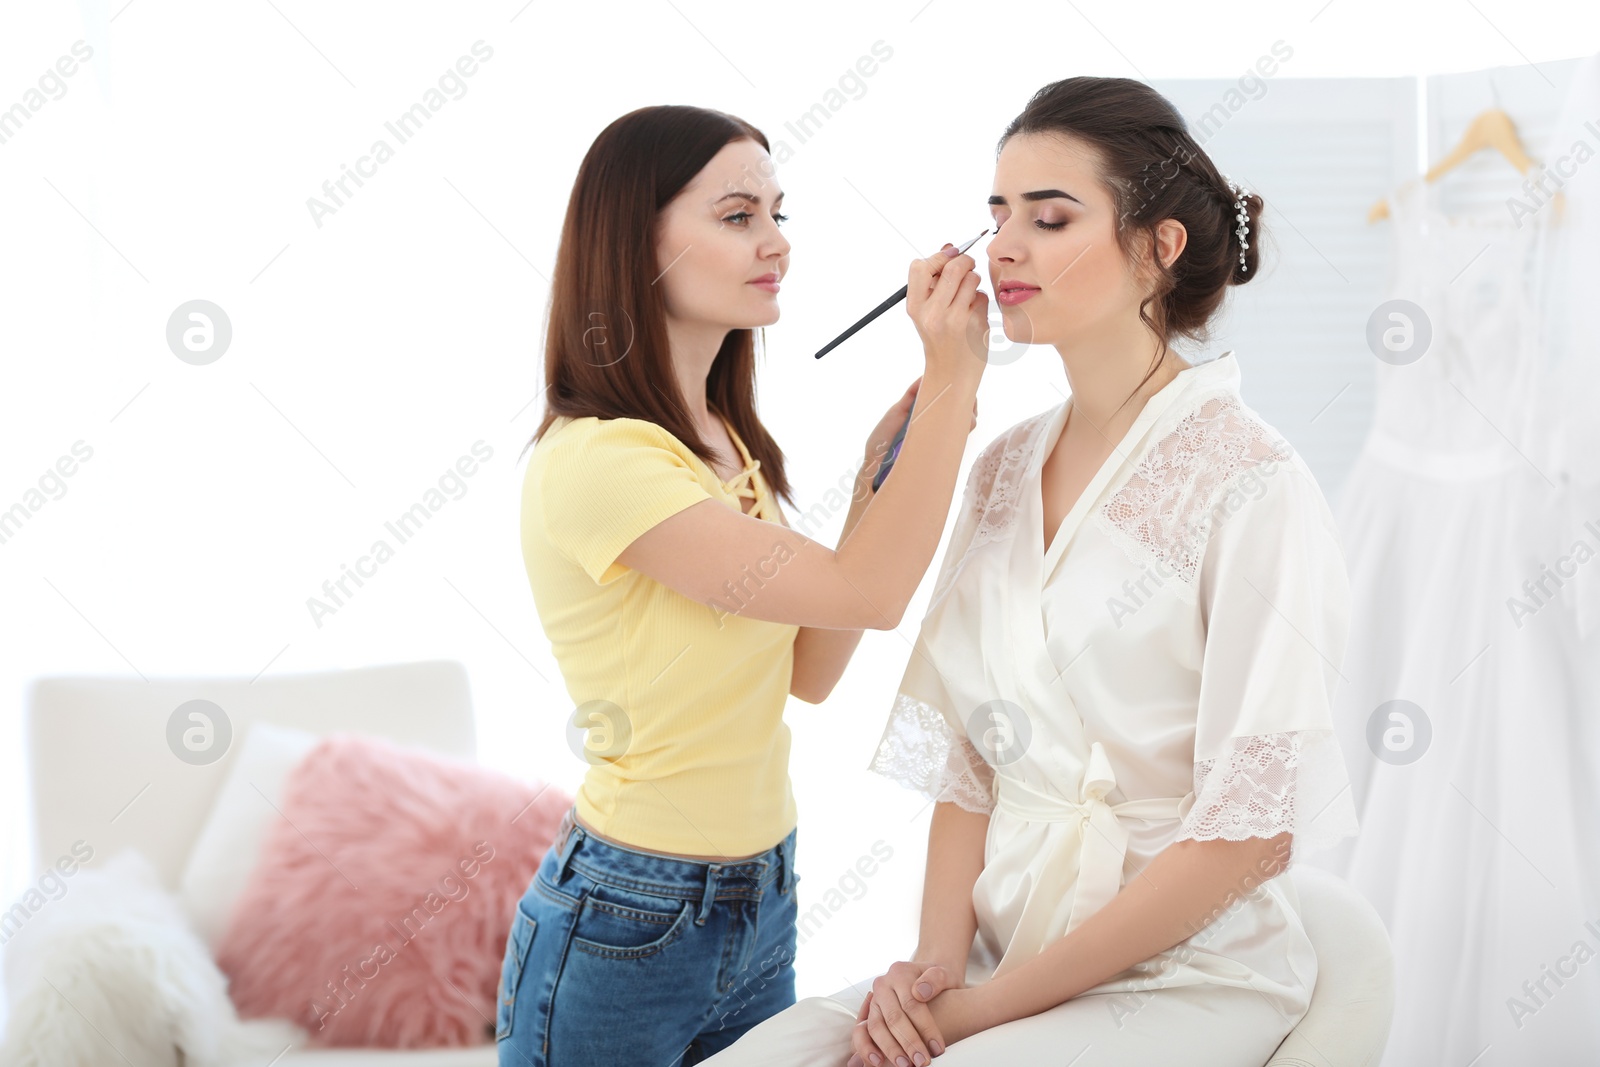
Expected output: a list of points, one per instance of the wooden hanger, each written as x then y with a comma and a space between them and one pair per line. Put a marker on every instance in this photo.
1491, 129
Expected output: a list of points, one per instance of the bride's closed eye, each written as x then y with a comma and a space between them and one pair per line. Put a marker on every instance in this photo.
1043, 225
780, 219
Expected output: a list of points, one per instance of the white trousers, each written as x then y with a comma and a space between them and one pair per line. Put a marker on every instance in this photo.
1195, 1025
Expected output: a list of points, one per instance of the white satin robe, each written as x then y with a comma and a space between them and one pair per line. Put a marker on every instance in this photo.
1164, 670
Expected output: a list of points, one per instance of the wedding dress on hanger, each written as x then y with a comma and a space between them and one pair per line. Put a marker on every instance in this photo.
1470, 710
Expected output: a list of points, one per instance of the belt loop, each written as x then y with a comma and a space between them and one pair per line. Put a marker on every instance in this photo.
567, 844
709, 894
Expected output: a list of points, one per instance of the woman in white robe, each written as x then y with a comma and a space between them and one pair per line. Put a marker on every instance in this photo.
1162, 671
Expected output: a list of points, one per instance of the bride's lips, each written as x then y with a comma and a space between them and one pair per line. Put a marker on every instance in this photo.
1010, 293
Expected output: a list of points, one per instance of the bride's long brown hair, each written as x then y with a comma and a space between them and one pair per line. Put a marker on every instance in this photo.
606, 351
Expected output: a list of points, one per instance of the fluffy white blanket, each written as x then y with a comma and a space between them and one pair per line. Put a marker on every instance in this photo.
113, 973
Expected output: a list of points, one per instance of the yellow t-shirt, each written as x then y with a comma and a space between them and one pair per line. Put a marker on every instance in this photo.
683, 703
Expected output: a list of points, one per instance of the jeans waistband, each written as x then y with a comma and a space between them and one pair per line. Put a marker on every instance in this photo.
656, 872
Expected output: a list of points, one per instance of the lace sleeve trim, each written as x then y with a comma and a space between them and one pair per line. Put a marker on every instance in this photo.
1268, 784
921, 752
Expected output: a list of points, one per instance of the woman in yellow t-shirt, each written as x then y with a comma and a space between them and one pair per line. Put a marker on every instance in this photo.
682, 607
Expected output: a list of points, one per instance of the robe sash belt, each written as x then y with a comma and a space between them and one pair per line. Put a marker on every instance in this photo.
1097, 846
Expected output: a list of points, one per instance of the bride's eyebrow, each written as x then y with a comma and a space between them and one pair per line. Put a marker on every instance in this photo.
1037, 194
756, 200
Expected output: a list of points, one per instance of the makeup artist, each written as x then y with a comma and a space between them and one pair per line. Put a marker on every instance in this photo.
682, 608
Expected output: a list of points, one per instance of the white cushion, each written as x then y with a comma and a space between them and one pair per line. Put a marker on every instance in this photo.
230, 839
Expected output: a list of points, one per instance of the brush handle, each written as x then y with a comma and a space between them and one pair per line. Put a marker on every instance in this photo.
885, 306
868, 317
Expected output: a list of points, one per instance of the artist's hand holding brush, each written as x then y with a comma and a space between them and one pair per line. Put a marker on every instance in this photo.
952, 318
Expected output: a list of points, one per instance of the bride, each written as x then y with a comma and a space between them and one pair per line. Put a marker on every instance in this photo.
1120, 694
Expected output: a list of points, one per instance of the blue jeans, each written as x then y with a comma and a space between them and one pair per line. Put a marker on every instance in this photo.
622, 955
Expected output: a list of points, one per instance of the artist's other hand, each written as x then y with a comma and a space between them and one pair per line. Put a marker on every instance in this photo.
882, 437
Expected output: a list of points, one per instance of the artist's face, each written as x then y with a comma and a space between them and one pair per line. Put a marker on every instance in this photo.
1061, 245
719, 236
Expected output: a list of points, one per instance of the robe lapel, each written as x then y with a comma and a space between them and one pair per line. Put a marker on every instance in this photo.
1033, 680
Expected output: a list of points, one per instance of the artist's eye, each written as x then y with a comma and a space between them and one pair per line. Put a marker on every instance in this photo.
1043, 225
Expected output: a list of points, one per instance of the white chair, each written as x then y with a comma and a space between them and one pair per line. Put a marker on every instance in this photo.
1352, 1005
102, 771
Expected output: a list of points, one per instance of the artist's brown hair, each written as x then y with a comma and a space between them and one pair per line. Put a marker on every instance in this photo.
1154, 170
606, 352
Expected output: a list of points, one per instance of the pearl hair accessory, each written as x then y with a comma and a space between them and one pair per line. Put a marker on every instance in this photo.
1239, 213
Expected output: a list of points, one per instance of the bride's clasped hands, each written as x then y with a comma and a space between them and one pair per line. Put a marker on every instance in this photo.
913, 1012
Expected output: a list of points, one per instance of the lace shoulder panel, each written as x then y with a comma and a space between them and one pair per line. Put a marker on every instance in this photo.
1166, 509
921, 752
993, 494
994, 486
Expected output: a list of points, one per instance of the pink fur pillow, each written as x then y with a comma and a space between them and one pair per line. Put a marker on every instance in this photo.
376, 915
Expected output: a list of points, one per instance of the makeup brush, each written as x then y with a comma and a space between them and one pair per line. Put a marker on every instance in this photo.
885, 306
